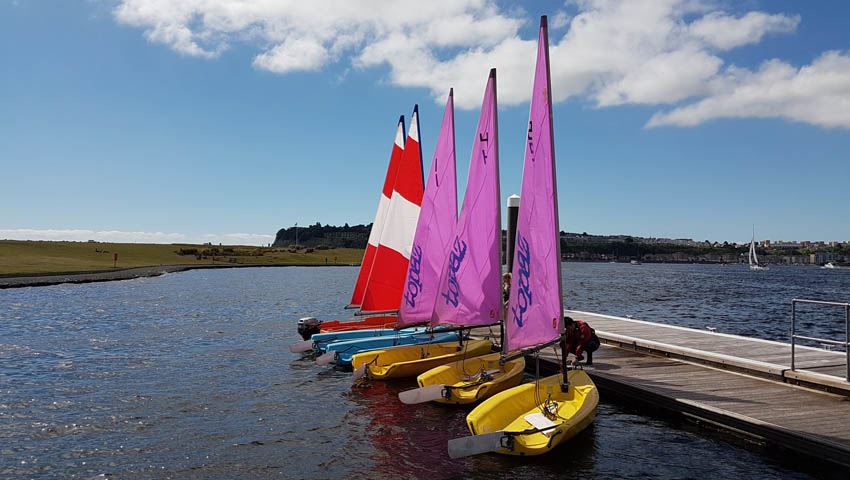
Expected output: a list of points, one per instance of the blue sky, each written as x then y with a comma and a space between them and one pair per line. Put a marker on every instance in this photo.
178, 121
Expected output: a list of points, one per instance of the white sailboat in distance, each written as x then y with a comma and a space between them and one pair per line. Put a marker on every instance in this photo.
753, 258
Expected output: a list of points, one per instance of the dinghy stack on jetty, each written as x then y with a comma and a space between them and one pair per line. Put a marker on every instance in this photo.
429, 276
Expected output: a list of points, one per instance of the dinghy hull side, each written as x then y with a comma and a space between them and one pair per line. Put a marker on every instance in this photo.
457, 374
410, 361
507, 411
345, 350
366, 323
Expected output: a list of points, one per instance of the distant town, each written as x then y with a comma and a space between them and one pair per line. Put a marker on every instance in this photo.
607, 248
587, 247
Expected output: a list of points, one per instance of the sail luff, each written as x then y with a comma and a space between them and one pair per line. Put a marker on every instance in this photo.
434, 229
545, 27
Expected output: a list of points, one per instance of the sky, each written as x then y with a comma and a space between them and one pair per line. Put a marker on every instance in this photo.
223, 121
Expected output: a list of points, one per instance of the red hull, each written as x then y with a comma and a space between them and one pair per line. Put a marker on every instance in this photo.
366, 323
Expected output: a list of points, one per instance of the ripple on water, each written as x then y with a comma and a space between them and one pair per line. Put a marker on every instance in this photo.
188, 376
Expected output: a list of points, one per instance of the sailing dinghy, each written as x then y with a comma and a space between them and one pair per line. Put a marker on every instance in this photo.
534, 418
472, 293
308, 326
319, 341
466, 381
465, 290
753, 258
341, 353
383, 291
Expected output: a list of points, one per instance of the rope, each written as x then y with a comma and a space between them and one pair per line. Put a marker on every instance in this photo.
548, 407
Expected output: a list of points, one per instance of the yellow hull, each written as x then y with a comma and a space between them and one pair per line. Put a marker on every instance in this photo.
507, 411
411, 360
464, 375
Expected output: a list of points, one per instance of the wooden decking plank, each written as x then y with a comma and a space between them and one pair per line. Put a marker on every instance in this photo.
700, 373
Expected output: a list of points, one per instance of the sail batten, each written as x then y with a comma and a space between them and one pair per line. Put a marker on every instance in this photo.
535, 305
434, 229
470, 292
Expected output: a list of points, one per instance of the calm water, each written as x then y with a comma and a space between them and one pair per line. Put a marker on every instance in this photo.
188, 376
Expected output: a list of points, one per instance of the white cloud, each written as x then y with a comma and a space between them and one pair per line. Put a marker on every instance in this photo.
239, 238
293, 54
117, 236
818, 94
724, 32
612, 52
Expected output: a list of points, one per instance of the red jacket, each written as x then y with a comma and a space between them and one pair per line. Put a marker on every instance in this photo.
577, 337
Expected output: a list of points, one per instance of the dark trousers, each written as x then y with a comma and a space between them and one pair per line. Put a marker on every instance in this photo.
590, 347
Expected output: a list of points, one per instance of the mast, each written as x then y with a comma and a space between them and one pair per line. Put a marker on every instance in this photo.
544, 24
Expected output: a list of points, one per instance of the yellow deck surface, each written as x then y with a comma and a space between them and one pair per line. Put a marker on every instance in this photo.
465, 375
412, 360
507, 410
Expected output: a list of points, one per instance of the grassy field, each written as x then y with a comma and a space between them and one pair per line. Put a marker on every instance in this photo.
31, 257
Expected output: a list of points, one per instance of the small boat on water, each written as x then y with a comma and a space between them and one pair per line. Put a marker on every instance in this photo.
308, 326
466, 381
409, 361
752, 258
377, 290
534, 418
457, 257
342, 353
471, 279
829, 266
384, 287
319, 341
514, 422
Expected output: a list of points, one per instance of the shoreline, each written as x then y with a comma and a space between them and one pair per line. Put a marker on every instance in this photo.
48, 279
57, 278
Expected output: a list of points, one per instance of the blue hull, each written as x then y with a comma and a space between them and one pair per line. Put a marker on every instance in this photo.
322, 340
346, 350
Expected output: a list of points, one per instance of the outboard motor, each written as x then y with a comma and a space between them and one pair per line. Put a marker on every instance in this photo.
307, 326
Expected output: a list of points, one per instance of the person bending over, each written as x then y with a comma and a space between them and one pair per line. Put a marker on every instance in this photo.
579, 339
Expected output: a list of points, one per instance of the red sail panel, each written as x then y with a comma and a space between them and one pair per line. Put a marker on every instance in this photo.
389, 269
380, 217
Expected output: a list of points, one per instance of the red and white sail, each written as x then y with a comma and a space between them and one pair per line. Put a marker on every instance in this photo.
380, 218
389, 268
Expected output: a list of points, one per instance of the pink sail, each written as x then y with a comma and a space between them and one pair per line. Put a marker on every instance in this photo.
434, 229
470, 290
535, 307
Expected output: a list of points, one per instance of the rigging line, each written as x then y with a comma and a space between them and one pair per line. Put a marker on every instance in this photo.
463, 358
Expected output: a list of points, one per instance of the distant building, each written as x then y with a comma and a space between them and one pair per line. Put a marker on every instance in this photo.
781, 245
820, 258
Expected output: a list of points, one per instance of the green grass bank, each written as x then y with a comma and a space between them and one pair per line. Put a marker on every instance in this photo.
21, 258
